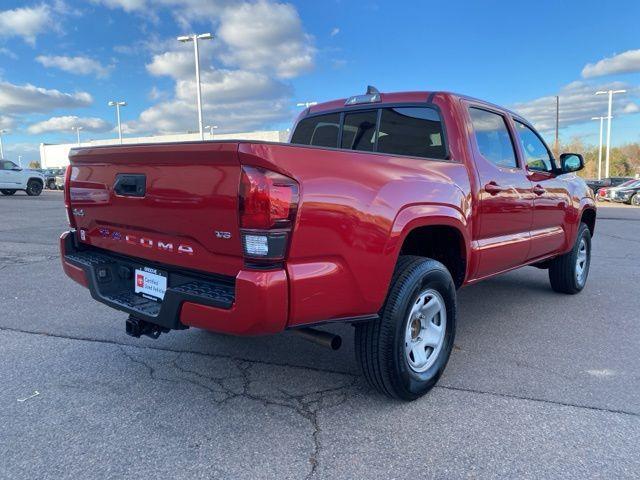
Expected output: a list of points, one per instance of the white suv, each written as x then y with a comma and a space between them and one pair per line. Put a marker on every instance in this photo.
14, 178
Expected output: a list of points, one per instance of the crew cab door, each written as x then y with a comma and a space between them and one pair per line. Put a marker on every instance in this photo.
9, 176
551, 193
505, 210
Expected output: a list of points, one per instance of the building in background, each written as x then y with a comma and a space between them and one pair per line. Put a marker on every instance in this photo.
57, 155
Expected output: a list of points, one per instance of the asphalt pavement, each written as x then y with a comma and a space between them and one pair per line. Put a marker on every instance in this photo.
540, 385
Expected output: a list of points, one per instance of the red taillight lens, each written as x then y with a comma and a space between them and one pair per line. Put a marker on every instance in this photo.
267, 199
268, 206
67, 196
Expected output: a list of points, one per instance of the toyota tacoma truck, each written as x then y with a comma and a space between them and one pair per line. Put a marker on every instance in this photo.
374, 213
14, 178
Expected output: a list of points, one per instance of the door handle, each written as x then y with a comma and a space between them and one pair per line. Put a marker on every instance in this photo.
538, 190
492, 188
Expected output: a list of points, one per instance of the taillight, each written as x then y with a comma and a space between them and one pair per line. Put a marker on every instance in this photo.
67, 197
268, 205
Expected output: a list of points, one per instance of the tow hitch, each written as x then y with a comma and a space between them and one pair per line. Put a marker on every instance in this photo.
137, 327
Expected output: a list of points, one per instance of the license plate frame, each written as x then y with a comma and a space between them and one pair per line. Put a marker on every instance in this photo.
150, 283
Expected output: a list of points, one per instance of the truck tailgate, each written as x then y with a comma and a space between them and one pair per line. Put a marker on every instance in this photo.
175, 204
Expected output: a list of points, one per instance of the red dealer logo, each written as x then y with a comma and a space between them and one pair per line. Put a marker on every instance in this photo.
140, 280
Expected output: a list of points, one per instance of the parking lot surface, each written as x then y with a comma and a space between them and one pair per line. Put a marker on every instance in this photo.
540, 385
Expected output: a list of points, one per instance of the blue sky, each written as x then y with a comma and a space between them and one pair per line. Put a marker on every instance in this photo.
61, 61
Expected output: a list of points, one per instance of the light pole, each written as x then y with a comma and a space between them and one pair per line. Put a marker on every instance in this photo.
611, 93
118, 105
194, 38
600, 147
306, 104
20, 161
1, 146
77, 129
211, 128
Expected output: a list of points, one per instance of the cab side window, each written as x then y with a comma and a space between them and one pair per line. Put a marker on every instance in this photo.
492, 137
321, 131
6, 165
536, 155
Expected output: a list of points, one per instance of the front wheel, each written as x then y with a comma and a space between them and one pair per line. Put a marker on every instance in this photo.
34, 188
568, 273
635, 200
404, 353
7, 192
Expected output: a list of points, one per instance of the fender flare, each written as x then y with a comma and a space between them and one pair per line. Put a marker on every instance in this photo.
428, 215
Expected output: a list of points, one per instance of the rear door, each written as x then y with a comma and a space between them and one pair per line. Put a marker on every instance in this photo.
505, 197
551, 193
175, 203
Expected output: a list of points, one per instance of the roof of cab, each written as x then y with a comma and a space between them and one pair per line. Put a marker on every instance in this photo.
402, 97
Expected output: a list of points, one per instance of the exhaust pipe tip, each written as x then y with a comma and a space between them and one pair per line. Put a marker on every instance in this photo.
319, 337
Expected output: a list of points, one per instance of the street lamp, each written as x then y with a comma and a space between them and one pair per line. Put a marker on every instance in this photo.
600, 147
306, 104
118, 105
194, 38
211, 128
77, 129
611, 93
1, 147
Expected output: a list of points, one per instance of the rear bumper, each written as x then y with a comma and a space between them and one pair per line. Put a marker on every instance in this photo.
252, 303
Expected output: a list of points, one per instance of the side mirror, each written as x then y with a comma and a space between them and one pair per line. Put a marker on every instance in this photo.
571, 162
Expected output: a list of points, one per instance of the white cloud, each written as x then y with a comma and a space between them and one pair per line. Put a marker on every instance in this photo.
78, 65
268, 37
31, 99
335, 31
578, 103
26, 22
126, 5
631, 108
235, 100
7, 122
625, 62
65, 124
5, 51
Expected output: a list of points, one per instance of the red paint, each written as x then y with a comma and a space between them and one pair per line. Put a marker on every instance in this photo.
354, 211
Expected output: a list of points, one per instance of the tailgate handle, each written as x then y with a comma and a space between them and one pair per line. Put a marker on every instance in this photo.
130, 184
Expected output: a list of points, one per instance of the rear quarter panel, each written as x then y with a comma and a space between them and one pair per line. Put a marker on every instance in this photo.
354, 210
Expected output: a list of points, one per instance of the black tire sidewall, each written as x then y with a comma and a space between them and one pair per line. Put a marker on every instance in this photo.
415, 384
30, 186
583, 233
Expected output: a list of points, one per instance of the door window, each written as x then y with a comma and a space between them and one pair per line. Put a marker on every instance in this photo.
536, 155
492, 137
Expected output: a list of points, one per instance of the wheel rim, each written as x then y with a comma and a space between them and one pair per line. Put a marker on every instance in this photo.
34, 188
425, 330
635, 200
582, 261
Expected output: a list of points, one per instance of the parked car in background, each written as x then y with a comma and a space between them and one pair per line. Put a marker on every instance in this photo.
14, 178
50, 175
379, 209
596, 185
59, 180
605, 194
629, 194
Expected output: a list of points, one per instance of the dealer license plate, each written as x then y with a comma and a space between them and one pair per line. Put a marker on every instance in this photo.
150, 283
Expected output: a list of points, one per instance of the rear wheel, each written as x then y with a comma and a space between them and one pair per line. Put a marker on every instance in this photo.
404, 353
568, 273
635, 200
34, 188
7, 192
51, 184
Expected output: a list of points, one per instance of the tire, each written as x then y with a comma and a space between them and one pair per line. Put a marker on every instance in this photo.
635, 200
565, 273
8, 192
385, 347
51, 184
34, 188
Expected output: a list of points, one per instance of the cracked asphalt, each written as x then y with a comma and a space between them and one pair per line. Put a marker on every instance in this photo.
540, 385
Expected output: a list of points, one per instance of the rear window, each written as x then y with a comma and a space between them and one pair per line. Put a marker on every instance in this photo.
359, 130
411, 131
321, 131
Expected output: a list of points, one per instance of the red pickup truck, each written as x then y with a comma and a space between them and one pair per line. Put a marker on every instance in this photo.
380, 207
